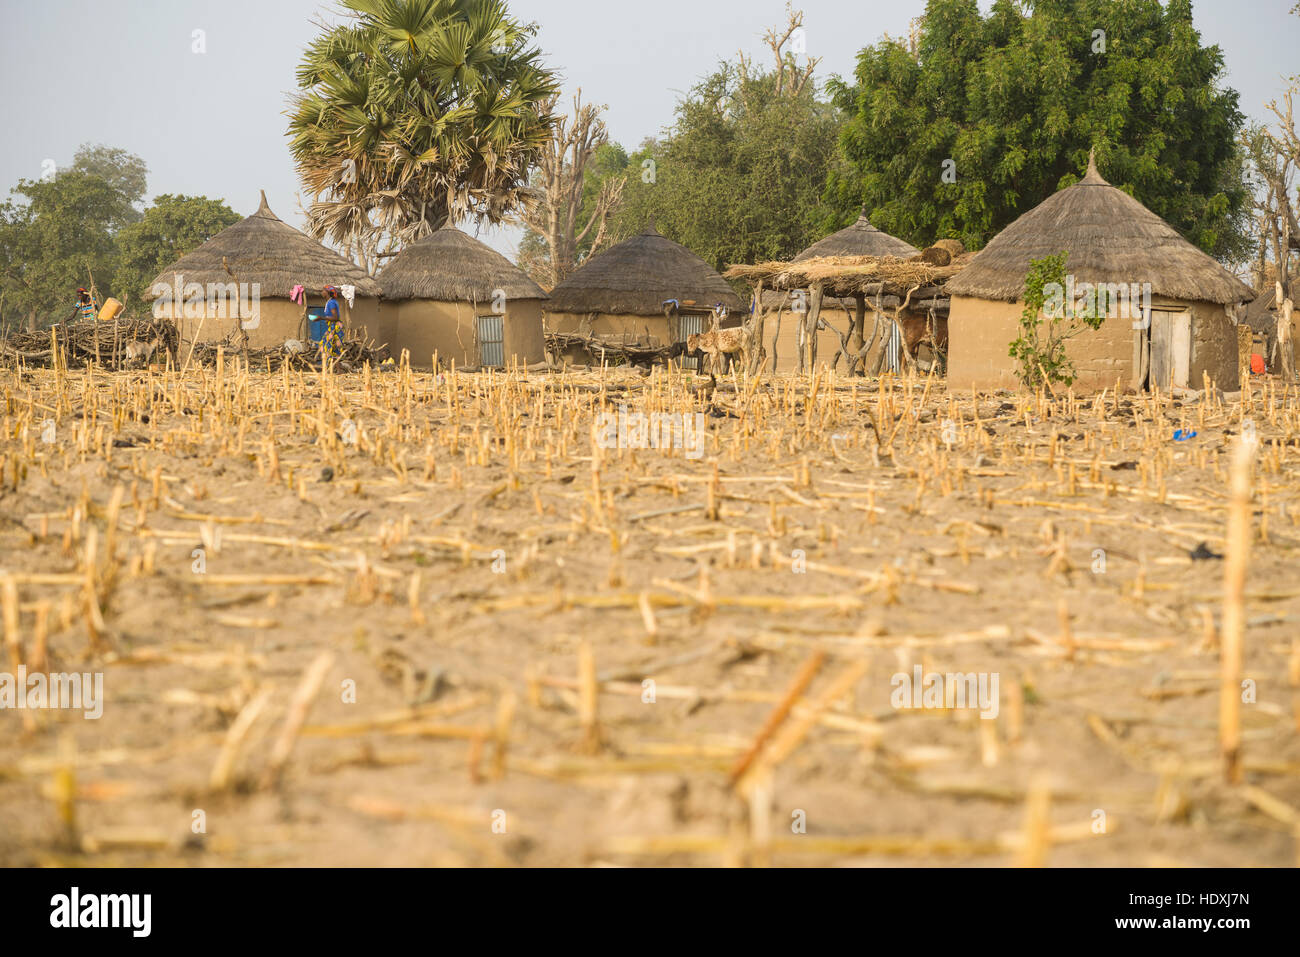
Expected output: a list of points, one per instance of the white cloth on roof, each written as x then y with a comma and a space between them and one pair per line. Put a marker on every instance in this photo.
349, 293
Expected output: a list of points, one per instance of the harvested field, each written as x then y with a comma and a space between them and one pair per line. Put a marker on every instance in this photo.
393, 619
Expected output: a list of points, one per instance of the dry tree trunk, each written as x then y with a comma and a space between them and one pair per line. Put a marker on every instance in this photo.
844, 341
755, 333
562, 167
1286, 347
857, 327
776, 336
861, 357
811, 320
932, 330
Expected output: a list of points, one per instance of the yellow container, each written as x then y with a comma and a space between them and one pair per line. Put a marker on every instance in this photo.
111, 310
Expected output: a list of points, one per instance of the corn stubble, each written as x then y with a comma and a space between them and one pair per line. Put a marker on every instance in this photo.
536, 624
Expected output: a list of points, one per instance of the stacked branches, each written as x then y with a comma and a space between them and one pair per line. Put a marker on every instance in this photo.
846, 276
135, 343
109, 345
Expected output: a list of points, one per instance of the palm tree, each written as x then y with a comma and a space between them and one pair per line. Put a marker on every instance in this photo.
416, 112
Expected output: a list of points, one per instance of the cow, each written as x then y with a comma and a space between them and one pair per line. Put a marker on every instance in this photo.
916, 332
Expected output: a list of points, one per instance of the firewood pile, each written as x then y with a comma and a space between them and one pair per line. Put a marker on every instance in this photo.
137, 343
612, 351
298, 355
119, 344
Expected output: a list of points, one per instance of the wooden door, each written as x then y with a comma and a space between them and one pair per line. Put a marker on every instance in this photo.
1171, 350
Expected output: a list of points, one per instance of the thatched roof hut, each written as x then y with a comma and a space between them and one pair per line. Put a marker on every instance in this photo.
1261, 315
456, 297
238, 283
1112, 242
1110, 237
451, 266
636, 278
860, 239
647, 291
265, 250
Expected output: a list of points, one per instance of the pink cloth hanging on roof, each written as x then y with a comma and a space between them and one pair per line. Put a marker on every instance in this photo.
298, 294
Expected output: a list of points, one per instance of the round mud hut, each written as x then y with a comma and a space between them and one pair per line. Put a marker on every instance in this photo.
1171, 310
781, 320
451, 295
240, 282
647, 291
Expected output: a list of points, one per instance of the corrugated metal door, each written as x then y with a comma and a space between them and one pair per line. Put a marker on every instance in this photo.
689, 326
492, 341
894, 349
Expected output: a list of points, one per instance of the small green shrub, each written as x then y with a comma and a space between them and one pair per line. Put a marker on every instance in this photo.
1047, 323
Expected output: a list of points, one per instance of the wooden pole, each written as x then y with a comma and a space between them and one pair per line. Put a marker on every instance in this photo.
858, 331
756, 330
776, 337
810, 319
1285, 346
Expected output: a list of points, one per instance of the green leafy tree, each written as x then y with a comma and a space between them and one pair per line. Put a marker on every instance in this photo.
58, 233
170, 228
59, 239
740, 176
978, 118
414, 112
123, 171
1049, 321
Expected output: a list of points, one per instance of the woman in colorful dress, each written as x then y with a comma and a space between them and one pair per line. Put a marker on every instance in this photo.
332, 344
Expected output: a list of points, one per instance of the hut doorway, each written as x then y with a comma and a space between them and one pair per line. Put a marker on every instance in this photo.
1171, 350
689, 326
491, 341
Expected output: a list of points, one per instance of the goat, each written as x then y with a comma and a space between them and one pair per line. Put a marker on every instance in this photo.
718, 343
138, 352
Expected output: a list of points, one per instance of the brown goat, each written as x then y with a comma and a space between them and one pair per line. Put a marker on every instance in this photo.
719, 345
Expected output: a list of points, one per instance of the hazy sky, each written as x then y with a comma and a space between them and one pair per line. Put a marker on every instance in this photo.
124, 73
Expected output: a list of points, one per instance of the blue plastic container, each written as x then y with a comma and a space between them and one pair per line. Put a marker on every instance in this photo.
317, 324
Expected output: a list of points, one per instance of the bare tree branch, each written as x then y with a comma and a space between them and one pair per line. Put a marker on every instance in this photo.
561, 177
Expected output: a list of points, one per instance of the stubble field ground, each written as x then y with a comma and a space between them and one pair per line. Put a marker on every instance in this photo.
395, 619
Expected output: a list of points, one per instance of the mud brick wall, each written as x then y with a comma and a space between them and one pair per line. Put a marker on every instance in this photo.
980, 334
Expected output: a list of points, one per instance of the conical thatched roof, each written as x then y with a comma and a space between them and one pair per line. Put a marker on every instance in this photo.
860, 239
450, 266
637, 276
1262, 314
1110, 238
264, 250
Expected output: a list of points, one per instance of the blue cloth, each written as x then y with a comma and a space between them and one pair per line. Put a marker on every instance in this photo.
332, 309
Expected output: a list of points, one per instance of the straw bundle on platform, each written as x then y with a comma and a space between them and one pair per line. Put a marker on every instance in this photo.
842, 276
